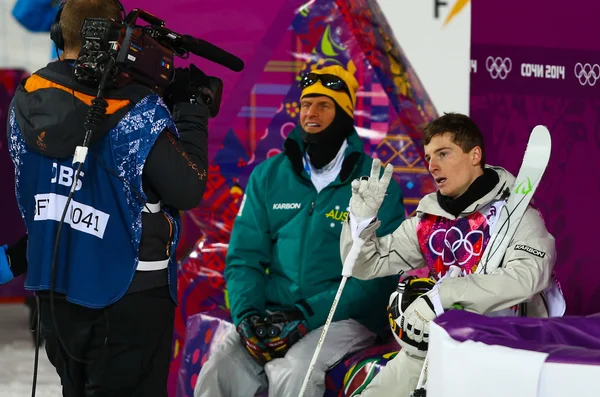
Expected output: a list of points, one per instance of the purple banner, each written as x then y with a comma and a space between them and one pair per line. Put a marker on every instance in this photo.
541, 65
552, 24
534, 70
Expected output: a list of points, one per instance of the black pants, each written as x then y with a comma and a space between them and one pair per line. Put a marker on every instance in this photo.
128, 345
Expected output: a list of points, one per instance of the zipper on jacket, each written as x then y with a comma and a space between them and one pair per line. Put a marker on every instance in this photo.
312, 208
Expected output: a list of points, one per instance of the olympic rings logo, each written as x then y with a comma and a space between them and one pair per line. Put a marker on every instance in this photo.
498, 67
587, 74
454, 240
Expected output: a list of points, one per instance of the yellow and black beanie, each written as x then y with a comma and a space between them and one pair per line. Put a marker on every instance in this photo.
347, 103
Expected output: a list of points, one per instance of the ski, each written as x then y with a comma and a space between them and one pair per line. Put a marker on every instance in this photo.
535, 161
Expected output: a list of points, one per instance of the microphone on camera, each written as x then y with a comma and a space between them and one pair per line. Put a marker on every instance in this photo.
212, 53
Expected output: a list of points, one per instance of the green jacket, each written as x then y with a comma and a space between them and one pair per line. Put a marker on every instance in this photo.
284, 250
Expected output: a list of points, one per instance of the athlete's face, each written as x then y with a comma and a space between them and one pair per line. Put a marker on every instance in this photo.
452, 169
316, 113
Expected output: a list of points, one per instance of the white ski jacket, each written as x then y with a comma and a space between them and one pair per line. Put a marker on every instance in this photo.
437, 239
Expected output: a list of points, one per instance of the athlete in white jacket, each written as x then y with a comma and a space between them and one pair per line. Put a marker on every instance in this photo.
451, 228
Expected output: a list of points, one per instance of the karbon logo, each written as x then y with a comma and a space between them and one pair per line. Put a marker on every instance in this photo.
498, 67
532, 251
587, 74
287, 206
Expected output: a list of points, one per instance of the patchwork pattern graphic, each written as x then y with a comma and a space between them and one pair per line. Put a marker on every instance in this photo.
392, 108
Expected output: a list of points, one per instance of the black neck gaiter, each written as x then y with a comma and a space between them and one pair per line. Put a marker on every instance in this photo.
323, 146
479, 188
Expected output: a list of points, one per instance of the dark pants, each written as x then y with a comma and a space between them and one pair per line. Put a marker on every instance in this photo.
128, 345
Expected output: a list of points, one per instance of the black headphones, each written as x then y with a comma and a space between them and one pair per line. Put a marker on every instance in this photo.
56, 30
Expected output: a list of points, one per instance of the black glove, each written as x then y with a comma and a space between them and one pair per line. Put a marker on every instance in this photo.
192, 85
283, 330
253, 344
17, 256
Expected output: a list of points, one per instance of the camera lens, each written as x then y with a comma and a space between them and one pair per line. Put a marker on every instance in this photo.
273, 331
261, 332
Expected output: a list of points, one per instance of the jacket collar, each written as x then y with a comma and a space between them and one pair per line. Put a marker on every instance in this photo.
294, 149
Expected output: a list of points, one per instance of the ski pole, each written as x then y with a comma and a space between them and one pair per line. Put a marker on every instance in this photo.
346, 274
421, 381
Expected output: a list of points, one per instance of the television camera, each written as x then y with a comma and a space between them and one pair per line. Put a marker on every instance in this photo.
115, 53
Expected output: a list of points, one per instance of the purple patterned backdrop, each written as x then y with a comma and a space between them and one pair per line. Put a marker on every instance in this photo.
248, 30
541, 65
11, 224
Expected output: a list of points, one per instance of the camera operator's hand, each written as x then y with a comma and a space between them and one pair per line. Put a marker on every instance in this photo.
13, 260
192, 85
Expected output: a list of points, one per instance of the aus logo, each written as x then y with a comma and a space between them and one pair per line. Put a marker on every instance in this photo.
336, 214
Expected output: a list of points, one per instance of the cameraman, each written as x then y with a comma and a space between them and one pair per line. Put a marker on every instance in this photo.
108, 326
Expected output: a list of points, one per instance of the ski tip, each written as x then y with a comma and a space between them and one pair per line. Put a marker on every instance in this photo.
541, 130
540, 136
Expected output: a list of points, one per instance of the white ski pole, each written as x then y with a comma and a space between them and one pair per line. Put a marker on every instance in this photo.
453, 271
421, 381
348, 265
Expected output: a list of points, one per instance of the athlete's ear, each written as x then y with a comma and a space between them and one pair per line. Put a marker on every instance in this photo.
476, 156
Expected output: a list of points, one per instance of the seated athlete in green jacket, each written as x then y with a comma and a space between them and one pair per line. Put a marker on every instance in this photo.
283, 266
